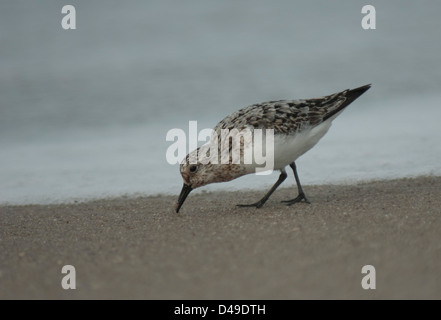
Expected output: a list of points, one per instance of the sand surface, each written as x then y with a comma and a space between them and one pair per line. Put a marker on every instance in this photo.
139, 248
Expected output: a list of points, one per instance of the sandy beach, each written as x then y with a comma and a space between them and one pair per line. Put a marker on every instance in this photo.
141, 249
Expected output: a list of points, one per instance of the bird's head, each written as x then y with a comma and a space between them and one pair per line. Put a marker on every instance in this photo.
199, 174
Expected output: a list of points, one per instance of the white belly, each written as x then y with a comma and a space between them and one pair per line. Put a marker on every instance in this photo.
285, 150
288, 148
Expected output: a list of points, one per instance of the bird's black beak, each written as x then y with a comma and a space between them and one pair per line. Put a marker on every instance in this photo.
186, 189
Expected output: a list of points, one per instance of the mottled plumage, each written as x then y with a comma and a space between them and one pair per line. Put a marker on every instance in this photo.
284, 116
298, 125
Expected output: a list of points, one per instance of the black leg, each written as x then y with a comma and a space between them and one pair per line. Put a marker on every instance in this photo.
301, 195
262, 201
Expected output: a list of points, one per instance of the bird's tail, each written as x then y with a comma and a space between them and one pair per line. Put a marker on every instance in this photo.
350, 96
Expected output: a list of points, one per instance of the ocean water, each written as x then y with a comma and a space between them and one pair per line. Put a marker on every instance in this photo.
84, 113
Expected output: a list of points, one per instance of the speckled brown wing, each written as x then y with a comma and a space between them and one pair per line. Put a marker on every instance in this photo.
287, 117
284, 116
290, 116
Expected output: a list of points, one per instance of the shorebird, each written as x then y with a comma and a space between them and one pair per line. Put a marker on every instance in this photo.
298, 125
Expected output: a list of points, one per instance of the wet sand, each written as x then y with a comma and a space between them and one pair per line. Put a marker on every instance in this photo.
140, 249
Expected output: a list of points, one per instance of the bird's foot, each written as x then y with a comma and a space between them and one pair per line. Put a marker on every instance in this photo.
299, 198
258, 204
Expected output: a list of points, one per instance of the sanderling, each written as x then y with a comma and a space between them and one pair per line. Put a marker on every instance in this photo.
298, 125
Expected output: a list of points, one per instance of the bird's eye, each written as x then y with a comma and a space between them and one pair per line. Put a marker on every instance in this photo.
193, 168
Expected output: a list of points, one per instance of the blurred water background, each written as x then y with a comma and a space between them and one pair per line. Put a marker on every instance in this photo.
84, 113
